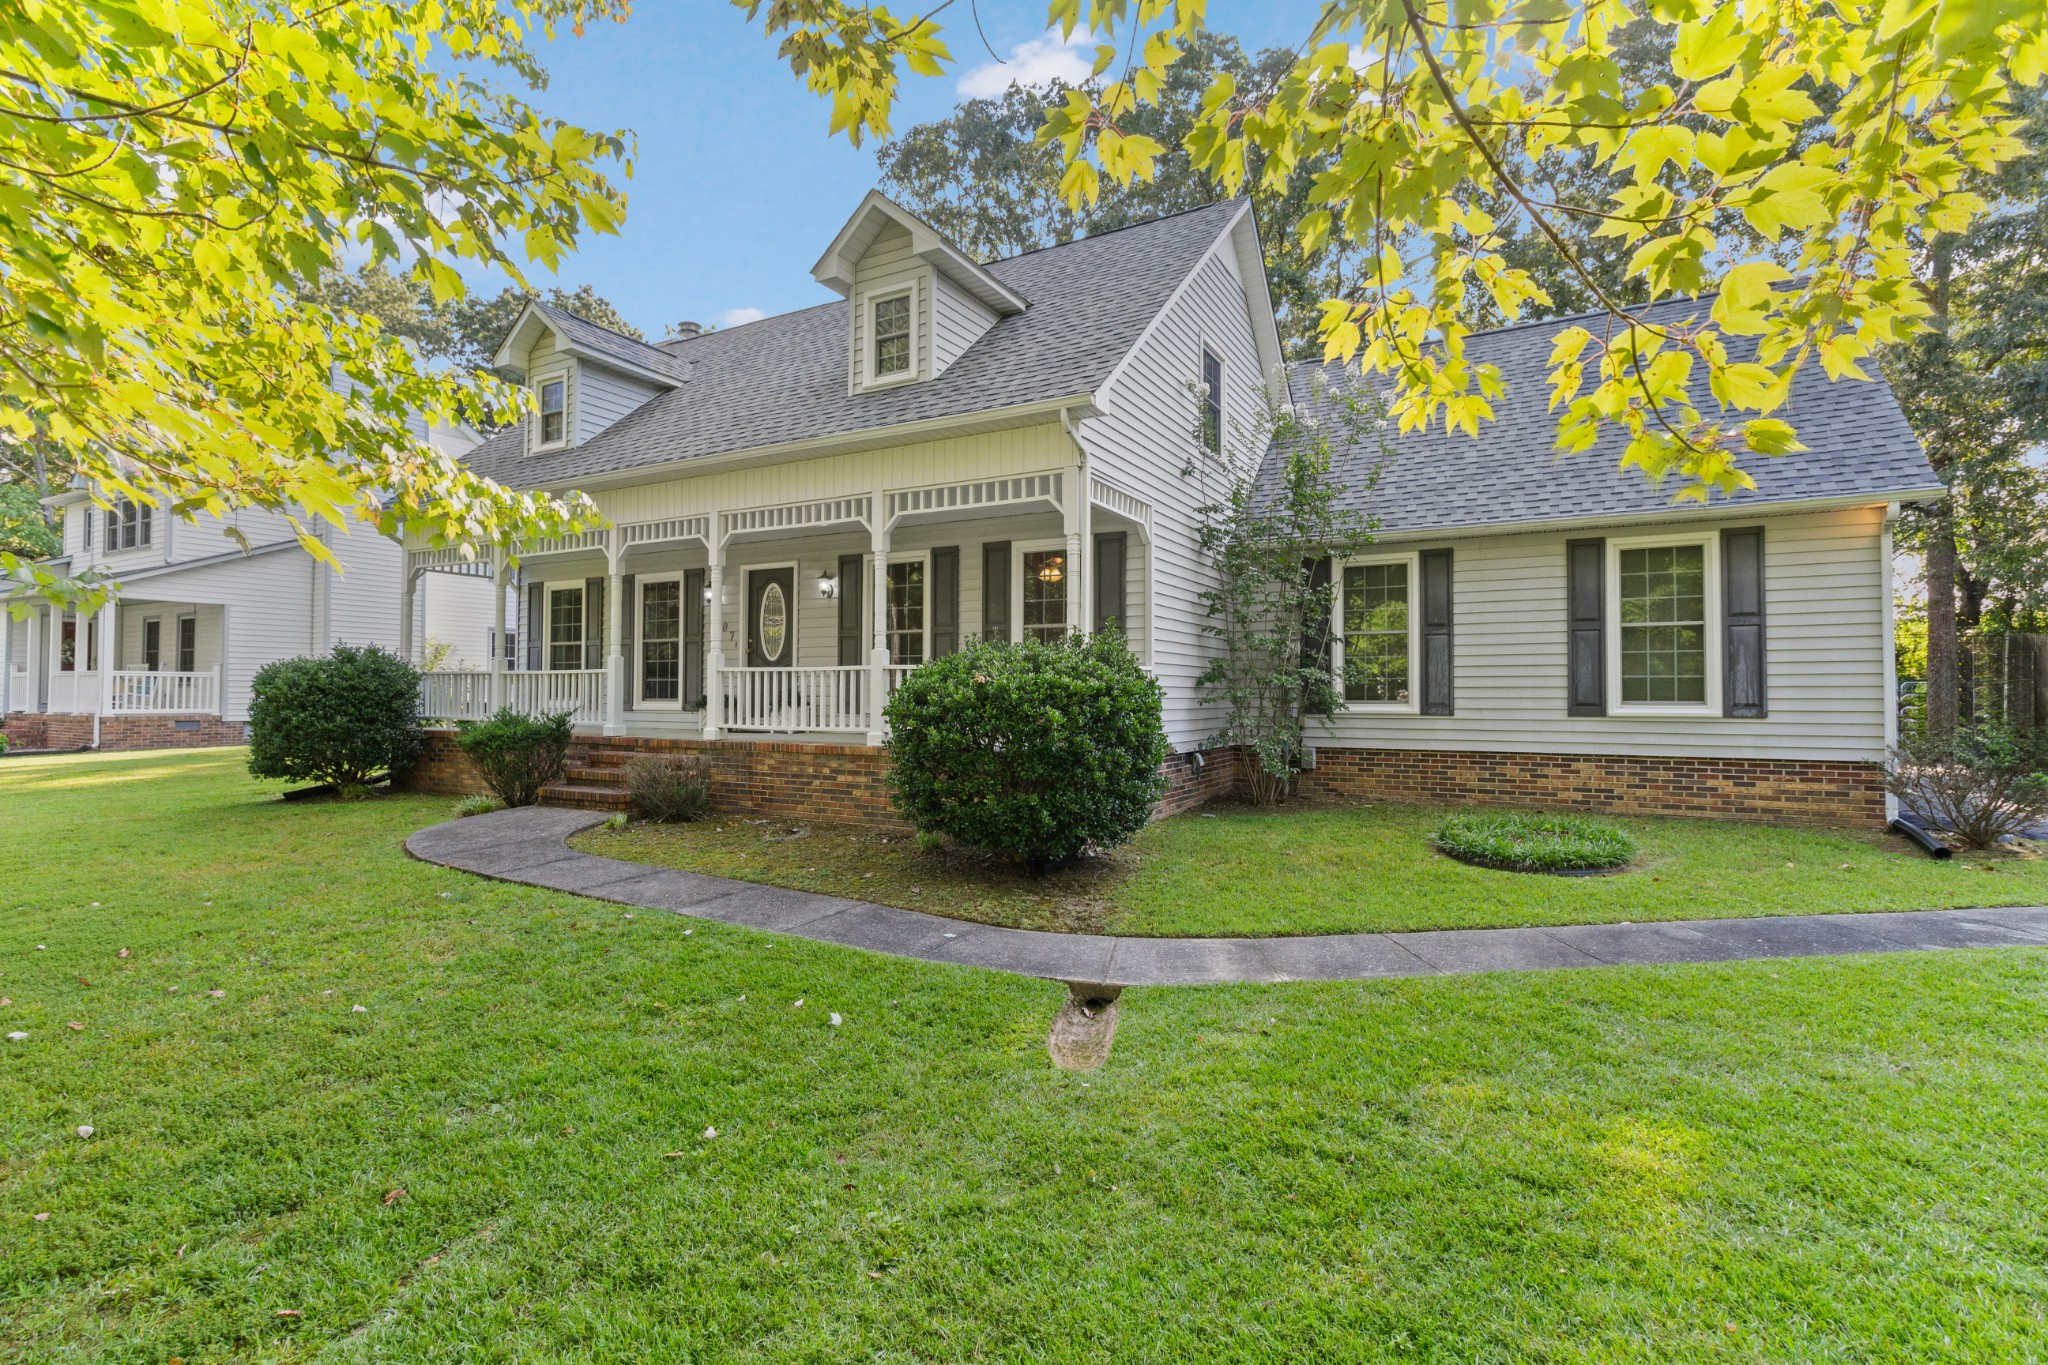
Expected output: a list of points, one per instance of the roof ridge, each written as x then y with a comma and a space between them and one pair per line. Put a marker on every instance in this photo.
545, 306
1127, 227
1563, 319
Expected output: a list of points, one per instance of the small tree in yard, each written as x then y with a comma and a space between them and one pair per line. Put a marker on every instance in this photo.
1272, 541
1976, 783
338, 719
516, 754
1034, 752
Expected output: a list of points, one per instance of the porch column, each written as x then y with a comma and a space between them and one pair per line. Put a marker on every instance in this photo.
878, 665
498, 636
1077, 603
109, 638
6, 660
714, 627
1082, 578
614, 651
406, 585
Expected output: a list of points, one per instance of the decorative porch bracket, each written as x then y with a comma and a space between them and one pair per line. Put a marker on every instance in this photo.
978, 494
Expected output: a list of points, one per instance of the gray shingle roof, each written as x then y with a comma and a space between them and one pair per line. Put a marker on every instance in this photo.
1859, 445
605, 341
783, 379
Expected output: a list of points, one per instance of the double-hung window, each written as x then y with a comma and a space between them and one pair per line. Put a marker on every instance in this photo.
1044, 583
892, 336
1212, 402
906, 612
661, 640
554, 411
1376, 619
128, 526
188, 644
1662, 601
565, 629
153, 645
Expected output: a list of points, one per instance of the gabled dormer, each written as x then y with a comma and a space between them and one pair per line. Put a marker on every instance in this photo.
917, 302
583, 377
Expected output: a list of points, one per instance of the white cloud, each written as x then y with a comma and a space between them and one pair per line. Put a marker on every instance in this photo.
739, 317
1039, 62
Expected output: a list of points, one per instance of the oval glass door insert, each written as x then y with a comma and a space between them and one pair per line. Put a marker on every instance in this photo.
774, 623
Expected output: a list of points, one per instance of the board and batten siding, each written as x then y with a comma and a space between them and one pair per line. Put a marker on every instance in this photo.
1147, 442
1826, 585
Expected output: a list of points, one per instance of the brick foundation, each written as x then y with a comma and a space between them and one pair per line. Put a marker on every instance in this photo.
35, 730
1190, 783
1799, 791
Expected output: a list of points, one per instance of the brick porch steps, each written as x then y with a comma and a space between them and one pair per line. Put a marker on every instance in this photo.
590, 779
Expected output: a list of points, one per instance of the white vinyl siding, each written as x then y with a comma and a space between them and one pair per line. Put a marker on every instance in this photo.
958, 320
1825, 590
605, 395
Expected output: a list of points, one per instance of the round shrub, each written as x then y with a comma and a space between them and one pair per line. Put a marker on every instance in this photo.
1534, 841
516, 754
1030, 751
338, 719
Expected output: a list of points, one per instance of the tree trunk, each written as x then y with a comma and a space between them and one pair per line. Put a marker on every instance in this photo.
1943, 692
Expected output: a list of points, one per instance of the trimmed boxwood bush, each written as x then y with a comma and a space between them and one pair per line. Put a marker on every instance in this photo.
1033, 752
516, 754
1534, 842
340, 718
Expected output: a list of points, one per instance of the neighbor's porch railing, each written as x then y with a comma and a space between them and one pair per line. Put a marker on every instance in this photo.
136, 692
794, 700
455, 695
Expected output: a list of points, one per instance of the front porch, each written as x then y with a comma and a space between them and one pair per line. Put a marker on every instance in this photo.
134, 658
793, 621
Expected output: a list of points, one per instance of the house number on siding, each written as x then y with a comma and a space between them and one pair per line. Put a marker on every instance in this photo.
774, 622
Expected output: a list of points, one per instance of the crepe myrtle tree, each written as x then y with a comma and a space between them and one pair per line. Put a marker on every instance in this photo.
173, 172
1272, 541
1784, 159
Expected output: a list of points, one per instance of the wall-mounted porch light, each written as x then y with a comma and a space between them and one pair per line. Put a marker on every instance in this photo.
828, 584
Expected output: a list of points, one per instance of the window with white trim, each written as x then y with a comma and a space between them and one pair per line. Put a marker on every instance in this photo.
128, 526
554, 411
1663, 606
892, 347
1044, 591
565, 629
188, 644
1378, 636
1212, 402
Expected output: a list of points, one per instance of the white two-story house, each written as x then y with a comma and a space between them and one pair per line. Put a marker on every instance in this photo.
804, 508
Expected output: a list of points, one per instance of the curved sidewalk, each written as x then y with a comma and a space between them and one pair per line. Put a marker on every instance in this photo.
528, 846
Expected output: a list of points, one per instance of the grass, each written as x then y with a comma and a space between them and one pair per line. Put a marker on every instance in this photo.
1533, 841
1818, 1159
1339, 869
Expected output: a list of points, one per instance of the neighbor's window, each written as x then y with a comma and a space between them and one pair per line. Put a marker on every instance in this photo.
565, 629
1664, 624
152, 645
1376, 633
1212, 402
1045, 595
892, 336
188, 644
906, 613
554, 415
128, 526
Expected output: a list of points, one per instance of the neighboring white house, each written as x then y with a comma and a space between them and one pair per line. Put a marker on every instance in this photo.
196, 615
804, 508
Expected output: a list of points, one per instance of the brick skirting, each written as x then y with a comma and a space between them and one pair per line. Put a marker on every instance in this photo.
1196, 779
37, 730
1800, 791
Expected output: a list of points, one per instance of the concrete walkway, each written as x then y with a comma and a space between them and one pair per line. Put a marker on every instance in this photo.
527, 846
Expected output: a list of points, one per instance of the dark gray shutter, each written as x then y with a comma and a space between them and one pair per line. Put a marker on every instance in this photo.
694, 612
850, 599
628, 600
593, 623
1437, 697
945, 618
536, 627
1110, 550
1742, 618
1586, 626
995, 590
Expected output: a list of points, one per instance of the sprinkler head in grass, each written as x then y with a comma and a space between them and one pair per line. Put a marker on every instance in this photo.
1085, 1026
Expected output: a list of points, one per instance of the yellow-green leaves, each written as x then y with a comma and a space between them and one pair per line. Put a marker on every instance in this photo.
171, 173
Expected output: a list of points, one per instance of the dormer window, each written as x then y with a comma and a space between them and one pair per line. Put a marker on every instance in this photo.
554, 412
892, 336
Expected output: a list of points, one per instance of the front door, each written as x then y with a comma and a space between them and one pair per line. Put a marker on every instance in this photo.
771, 618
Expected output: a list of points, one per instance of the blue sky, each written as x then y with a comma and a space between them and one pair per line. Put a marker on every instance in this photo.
737, 188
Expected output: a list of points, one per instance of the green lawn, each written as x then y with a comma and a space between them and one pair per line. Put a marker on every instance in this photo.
1800, 1160
1339, 869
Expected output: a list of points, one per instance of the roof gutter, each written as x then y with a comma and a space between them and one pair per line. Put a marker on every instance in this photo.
1712, 512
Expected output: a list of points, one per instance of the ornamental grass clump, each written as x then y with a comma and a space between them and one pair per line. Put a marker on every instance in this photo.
667, 790
1534, 842
1033, 752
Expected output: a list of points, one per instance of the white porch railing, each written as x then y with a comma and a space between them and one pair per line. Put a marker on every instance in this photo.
455, 696
581, 693
794, 700
136, 692
74, 693
897, 673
